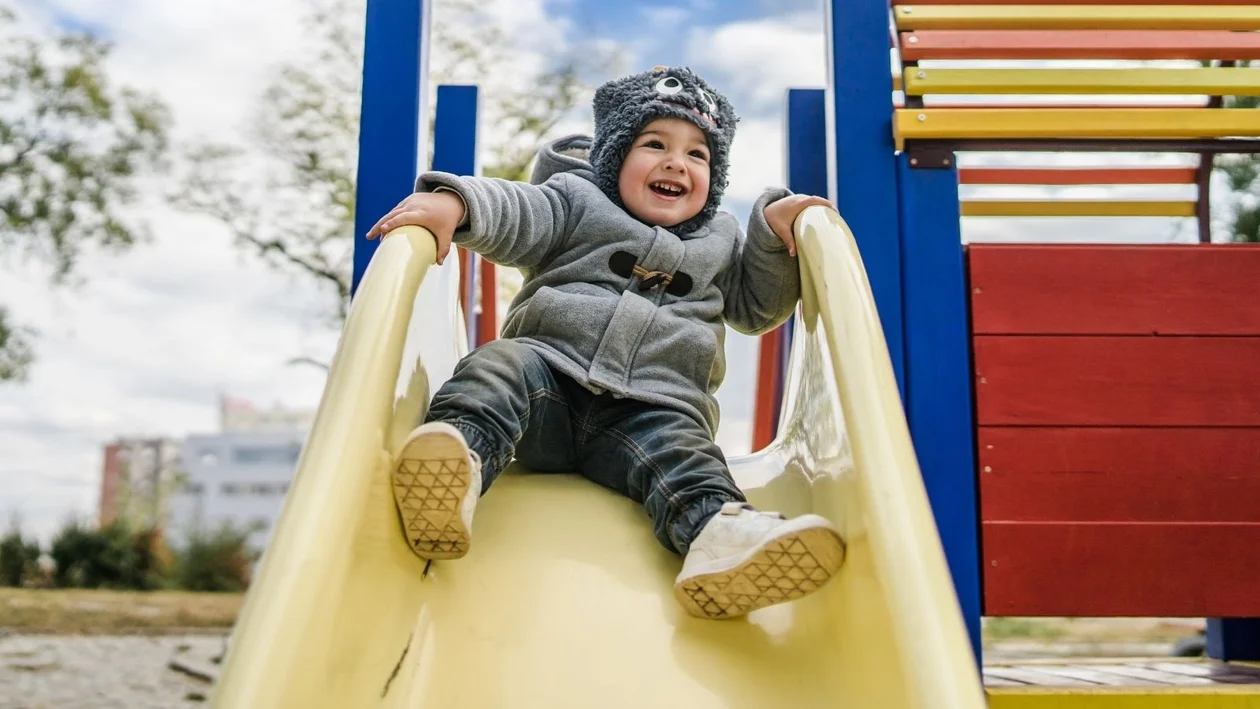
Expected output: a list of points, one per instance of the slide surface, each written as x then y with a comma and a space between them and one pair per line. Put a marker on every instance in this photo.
565, 599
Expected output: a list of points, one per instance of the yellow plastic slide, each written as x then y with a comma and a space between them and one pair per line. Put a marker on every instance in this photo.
566, 598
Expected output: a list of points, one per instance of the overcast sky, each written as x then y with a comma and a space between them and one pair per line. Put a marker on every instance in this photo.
156, 334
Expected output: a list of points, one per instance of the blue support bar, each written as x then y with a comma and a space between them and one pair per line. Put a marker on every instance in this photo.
455, 130
455, 151
807, 141
393, 115
806, 174
864, 167
939, 372
1233, 639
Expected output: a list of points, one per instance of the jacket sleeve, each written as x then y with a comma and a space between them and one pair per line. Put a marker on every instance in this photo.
510, 223
763, 284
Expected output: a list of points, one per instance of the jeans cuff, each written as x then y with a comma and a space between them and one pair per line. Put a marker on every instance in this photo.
479, 442
687, 526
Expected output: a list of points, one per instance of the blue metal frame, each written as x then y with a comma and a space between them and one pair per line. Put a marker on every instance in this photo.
393, 115
1234, 639
864, 170
455, 151
939, 371
806, 174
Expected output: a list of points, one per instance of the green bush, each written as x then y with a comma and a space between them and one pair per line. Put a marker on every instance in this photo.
217, 561
19, 559
114, 556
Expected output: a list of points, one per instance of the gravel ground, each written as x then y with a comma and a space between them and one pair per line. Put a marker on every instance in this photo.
102, 672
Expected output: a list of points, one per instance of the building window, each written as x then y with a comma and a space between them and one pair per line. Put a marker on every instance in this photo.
193, 488
232, 489
266, 455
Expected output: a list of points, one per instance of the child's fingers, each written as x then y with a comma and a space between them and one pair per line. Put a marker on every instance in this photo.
813, 201
790, 240
379, 229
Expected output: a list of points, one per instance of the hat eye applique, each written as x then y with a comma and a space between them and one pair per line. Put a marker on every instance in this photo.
709, 103
669, 86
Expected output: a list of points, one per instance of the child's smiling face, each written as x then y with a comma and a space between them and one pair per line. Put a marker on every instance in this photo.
664, 180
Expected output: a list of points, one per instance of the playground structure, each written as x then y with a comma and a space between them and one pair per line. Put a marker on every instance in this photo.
999, 429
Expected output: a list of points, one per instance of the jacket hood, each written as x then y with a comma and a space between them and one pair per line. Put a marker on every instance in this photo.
567, 154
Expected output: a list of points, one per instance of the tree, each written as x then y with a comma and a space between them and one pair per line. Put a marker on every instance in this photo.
19, 557
1242, 173
73, 147
288, 193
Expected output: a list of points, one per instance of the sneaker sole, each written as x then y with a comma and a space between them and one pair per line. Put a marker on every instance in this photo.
784, 569
431, 479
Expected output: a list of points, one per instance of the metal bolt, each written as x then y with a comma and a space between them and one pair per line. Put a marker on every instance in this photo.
914, 161
912, 39
988, 468
922, 75
993, 564
983, 380
907, 10
989, 447
945, 162
977, 290
922, 117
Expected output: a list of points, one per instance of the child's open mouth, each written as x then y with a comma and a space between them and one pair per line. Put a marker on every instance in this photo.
668, 190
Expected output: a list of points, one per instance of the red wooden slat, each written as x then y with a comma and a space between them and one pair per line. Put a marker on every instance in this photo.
1120, 474
766, 402
1115, 290
488, 320
1198, 45
1078, 176
1117, 381
1084, 569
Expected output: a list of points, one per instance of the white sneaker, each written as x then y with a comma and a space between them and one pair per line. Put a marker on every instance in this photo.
744, 560
437, 480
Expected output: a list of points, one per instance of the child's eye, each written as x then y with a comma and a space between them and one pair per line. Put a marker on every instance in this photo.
656, 144
699, 154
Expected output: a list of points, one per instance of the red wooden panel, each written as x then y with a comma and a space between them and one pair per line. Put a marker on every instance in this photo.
1084, 569
1117, 381
1115, 290
1078, 176
1120, 474
1200, 45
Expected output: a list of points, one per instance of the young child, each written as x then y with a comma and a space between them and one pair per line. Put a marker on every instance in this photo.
612, 351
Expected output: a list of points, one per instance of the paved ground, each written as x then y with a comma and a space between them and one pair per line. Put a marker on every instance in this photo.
135, 672
59, 672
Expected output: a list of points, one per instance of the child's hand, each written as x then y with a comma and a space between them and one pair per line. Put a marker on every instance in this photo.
439, 212
781, 216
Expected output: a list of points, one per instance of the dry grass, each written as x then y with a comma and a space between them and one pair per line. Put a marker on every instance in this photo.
113, 612
1090, 630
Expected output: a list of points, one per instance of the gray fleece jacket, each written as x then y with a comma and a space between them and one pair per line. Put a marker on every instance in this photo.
583, 308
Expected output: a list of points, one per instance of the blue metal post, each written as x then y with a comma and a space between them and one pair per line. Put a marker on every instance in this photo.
938, 370
455, 151
806, 170
393, 115
864, 168
1234, 639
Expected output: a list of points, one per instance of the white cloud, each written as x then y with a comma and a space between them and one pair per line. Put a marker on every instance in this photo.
755, 62
665, 19
155, 334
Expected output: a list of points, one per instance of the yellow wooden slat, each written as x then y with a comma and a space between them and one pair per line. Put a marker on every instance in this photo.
1075, 208
1212, 82
1079, 17
1069, 123
1222, 697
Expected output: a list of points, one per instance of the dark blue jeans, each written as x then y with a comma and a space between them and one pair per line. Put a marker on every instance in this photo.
508, 402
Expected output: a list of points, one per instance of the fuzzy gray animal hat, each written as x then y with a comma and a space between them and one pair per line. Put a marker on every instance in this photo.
624, 106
